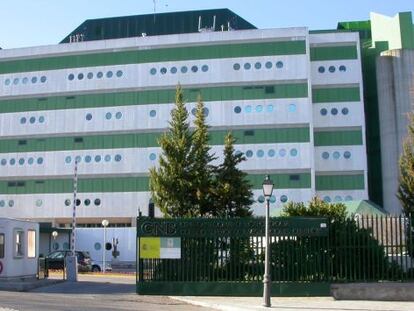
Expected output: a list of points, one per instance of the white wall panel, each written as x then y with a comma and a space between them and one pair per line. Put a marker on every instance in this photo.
340, 158
347, 114
264, 112
138, 76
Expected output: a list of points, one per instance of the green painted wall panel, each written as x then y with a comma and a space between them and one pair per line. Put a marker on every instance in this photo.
333, 53
129, 184
338, 138
340, 182
155, 55
338, 94
145, 140
293, 90
283, 181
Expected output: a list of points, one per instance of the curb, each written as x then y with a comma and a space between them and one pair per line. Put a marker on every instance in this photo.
214, 305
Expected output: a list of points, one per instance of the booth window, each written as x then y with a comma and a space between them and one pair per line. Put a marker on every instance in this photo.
18, 239
31, 244
1, 245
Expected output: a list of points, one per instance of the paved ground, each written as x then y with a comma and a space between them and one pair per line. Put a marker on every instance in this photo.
296, 304
90, 294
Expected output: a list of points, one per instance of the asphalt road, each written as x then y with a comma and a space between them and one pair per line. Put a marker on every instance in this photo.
89, 294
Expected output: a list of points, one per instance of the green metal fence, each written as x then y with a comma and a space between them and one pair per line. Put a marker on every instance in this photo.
226, 256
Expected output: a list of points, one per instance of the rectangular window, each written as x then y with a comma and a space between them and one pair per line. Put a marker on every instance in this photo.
31, 244
18, 243
1, 245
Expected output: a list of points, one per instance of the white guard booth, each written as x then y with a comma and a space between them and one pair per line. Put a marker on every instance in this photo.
19, 245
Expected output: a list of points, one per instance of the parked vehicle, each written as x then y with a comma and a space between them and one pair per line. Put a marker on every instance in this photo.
97, 266
56, 260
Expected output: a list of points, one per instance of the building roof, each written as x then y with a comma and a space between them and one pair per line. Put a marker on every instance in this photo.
157, 24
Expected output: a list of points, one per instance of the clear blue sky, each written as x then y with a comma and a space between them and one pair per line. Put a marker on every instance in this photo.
40, 22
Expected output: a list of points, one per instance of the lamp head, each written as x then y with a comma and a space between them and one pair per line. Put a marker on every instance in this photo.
267, 187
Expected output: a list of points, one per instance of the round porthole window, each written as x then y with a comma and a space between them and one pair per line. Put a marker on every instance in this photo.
107, 158
249, 153
268, 65
30, 161
109, 74
68, 202
334, 111
282, 152
99, 75
119, 73
32, 120
248, 108
118, 115
321, 69
97, 202
87, 202
16, 81
34, 79
152, 113
348, 198
272, 199
283, 199
25, 80
3, 162
279, 65
88, 159
12, 161
7, 82
342, 68
41, 119
40, 160
2, 203
153, 71
293, 152
88, 117
43, 79
332, 69
184, 69
323, 111
90, 75
21, 161
98, 158
194, 69
347, 155
78, 202
325, 155
97, 246
269, 108
261, 199
152, 156
271, 153
260, 153
345, 111
163, 70
173, 70
338, 198
258, 65
292, 108
11, 203
108, 116
236, 66
118, 158
247, 66
78, 159
259, 108
80, 76
23, 120
237, 109
327, 199
336, 155
204, 68
39, 203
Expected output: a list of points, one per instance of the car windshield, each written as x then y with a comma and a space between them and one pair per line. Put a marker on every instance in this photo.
56, 255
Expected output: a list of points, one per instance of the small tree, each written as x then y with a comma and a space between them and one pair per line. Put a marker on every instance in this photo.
202, 168
405, 191
170, 183
233, 195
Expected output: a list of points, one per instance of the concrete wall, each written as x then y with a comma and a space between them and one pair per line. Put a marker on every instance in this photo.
395, 79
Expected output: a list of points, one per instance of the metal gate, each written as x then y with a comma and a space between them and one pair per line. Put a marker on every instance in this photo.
226, 256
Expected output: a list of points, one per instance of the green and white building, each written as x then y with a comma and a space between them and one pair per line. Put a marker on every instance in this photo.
293, 99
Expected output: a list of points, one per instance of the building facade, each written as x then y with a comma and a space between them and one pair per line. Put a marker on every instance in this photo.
292, 98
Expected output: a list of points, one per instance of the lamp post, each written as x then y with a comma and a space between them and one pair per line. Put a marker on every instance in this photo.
105, 223
267, 192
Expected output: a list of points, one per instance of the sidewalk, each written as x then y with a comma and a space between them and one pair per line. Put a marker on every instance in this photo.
295, 304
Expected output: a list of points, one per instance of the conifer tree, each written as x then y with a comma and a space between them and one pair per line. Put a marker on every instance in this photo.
233, 195
171, 182
405, 191
202, 169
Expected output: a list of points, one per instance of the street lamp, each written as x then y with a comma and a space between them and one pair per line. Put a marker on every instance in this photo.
267, 192
105, 224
